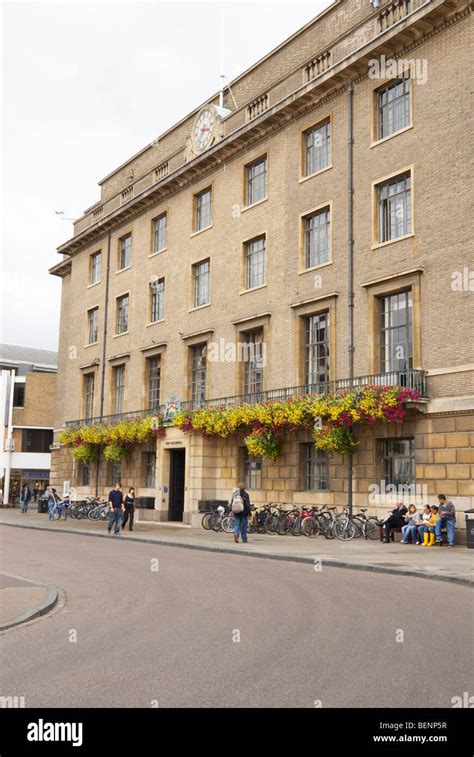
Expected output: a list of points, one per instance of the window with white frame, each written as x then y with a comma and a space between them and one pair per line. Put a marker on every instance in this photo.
255, 263
317, 147
394, 208
157, 288
201, 283
316, 230
159, 232
93, 325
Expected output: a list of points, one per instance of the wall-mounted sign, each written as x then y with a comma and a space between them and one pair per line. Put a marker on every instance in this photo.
172, 406
174, 443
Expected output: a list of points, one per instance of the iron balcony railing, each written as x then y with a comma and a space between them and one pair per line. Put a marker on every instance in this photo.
410, 379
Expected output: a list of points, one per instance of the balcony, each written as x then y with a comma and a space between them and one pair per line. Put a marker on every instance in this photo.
411, 379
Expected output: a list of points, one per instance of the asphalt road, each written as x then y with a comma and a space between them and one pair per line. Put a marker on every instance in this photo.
167, 637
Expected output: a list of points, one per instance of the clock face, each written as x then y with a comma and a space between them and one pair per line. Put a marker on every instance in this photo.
203, 131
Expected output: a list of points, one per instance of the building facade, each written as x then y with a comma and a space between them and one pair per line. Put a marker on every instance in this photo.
27, 407
301, 232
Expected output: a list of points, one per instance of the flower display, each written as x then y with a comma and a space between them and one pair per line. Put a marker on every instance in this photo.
331, 417
117, 439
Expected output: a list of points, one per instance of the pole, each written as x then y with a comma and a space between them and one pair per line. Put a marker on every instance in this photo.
8, 466
351, 271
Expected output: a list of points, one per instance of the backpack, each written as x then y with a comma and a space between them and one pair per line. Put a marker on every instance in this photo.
237, 504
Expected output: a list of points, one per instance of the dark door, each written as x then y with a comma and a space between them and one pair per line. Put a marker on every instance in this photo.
177, 484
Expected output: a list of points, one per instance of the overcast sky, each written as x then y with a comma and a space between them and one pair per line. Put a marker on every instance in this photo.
85, 85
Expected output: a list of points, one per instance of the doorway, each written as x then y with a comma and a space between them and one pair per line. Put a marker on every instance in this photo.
176, 494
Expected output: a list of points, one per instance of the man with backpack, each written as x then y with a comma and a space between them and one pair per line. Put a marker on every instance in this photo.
240, 505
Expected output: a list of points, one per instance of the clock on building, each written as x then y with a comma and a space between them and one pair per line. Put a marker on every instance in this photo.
207, 127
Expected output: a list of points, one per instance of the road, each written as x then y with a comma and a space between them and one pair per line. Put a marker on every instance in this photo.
130, 635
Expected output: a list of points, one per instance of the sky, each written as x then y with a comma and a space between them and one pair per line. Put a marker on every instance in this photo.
84, 86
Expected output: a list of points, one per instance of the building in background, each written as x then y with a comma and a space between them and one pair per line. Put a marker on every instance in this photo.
314, 213
27, 410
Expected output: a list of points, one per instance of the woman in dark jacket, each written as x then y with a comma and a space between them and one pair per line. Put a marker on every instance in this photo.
129, 504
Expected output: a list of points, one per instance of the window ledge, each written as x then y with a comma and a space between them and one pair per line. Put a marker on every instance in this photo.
377, 245
122, 333
253, 289
199, 307
121, 270
91, 344
254, 204
302, 179
89, 286
315, 267
157, 252
200, 231
153, 323
390, 136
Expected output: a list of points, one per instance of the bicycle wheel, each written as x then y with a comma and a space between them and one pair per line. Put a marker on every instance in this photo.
359, 524
344, 529
283, 525
228, 523
372, 529
310, 526
205, 522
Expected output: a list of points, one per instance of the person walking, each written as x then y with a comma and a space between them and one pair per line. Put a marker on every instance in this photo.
115, 507
447, 520
25, 497
52, 502
240, 505
129, 504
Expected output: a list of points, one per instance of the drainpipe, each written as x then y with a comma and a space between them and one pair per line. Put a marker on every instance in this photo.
104, 353
350, 241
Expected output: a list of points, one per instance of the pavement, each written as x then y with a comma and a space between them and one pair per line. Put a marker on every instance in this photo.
147, 625
439, 563
22, 600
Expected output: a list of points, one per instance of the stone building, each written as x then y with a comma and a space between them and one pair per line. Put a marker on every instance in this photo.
27, 407
313, 218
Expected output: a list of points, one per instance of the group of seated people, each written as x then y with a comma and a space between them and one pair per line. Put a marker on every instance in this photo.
425, 528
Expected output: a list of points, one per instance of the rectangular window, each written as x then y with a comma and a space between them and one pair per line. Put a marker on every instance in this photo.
19, 395
198, 373
201, 283
93, 325
393, 107
85, 474
159, 233
203, 209
125, 252
316, 352
252, 472
153, 382
316, 238
317, 147
119, 388
316, 468
157, 300
122, 314
95, 268
396, 332
149, 466
399, 462
255, 263
394, 208
89, 382
253, 359
36, 440
115, 473
256, 181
